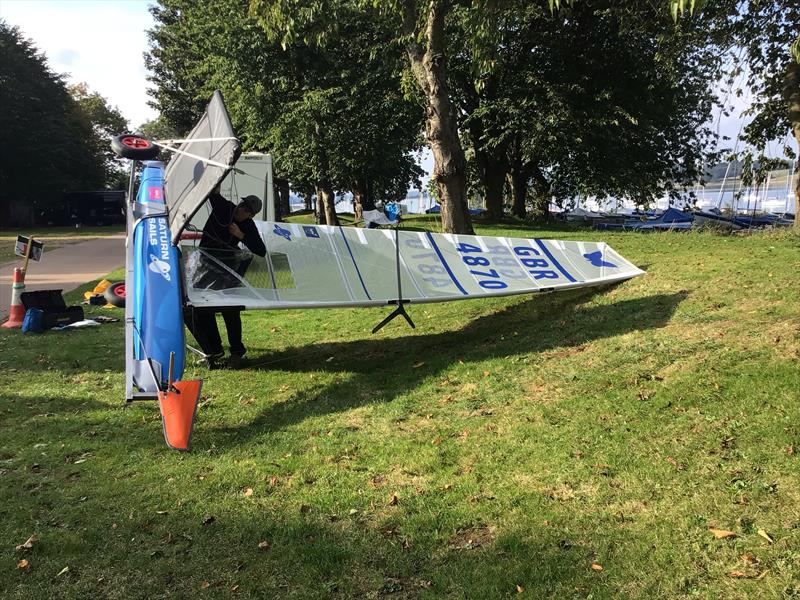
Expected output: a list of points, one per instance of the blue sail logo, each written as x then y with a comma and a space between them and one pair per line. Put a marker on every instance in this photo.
159, 266
283, 232
596, 258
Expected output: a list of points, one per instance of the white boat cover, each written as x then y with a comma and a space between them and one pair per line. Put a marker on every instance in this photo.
188, 180
310, 266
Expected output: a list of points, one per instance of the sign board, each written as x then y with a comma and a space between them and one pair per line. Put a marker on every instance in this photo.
21, 248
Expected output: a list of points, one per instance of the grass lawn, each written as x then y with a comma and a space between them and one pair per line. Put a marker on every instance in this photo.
53, 237
635, 442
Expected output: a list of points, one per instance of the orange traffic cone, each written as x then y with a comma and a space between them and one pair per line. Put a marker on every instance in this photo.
16, 312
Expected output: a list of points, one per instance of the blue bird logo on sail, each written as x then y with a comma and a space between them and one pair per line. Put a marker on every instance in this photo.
283, 232
159, 266
596, 258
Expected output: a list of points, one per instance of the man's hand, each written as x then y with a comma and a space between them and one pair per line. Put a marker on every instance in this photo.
234, 230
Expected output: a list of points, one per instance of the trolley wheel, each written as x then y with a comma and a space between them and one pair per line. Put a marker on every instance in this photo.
115, 294
133, 146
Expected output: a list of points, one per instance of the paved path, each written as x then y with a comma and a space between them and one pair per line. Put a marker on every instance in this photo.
66, 268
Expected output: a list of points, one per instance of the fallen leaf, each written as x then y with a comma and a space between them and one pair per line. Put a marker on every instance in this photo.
273, 481
248, 492
520, 589
393, 500
437, 440
263, 545
353, 511
487, 373
749, 558
204, 585
209, 519
763, 574
418, 365
447, 486
62, 572
305, 508
721, 533
23, 565
765, 535
597, 567
28, 543
736, 574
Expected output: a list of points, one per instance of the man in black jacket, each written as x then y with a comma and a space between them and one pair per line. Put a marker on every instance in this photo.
227, 226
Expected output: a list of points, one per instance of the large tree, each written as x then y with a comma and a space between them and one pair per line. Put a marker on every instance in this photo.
333, 115
417, 30
605, 98
43, 135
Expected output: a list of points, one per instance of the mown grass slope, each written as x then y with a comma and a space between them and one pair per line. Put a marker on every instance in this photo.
592, 443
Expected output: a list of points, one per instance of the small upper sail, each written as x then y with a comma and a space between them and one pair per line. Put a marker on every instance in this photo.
310, 266
205, 158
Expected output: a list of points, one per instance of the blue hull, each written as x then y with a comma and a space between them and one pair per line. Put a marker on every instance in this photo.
156, 297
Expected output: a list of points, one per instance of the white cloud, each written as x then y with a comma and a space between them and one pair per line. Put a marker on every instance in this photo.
97, 42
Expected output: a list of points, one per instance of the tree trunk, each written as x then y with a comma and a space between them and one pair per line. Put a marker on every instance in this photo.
518, 182
282, 189
326, 203
441, 130
358, 204
792, 96
319, 206
494, 179
541, 203
360, 199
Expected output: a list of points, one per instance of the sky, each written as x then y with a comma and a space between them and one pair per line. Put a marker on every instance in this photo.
102, 42
99, 42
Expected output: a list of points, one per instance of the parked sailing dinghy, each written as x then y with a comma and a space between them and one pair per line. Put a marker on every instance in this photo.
306, 266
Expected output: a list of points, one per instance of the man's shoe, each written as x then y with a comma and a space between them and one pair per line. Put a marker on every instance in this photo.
235, 361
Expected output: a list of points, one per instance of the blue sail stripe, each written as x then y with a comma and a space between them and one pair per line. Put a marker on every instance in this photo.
444, 262
554, 261
355, 264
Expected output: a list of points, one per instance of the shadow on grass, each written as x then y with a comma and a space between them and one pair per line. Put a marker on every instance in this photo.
386, 365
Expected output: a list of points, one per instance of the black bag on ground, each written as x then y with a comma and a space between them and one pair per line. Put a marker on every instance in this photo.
51, 302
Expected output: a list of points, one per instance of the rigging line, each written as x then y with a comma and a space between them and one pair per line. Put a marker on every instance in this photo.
204, 159
191, 140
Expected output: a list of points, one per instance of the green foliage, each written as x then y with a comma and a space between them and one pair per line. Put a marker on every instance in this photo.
105, 122
330, 111
679, 7
766, 31
48, 144
605, 100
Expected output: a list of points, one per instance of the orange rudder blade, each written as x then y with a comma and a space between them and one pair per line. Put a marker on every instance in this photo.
178, 409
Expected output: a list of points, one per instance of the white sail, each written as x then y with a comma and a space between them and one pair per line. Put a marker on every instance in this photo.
309, 266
